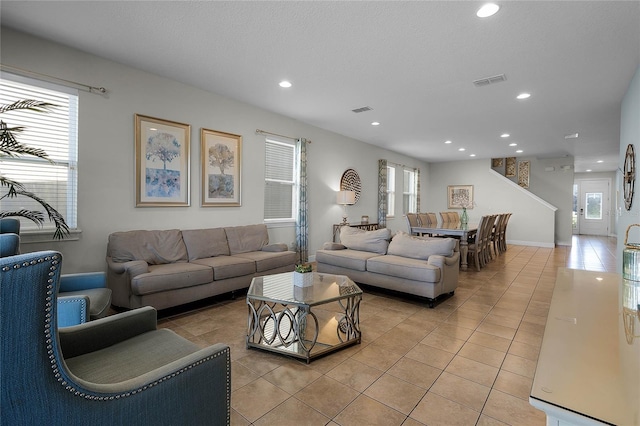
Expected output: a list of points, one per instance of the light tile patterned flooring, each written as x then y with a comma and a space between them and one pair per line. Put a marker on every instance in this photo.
468, 361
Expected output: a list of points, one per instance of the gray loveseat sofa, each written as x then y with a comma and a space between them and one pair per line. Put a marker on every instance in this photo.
426, 267
167, 268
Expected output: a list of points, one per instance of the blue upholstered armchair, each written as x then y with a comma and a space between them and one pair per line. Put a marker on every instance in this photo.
82, 297
115, 370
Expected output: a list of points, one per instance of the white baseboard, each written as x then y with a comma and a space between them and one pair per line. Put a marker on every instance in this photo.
531, 243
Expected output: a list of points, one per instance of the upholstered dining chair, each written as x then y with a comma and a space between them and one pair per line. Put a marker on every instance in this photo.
412, 221
120, 369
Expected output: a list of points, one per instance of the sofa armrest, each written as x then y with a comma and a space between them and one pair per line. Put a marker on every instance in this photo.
73, 310
333, 246
82, 281
133, 267
105, 332
275, 247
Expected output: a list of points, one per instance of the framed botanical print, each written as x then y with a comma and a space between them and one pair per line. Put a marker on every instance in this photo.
162, 162
221, 159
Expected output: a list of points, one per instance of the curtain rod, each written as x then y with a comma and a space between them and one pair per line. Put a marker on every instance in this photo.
262, 132
52, 79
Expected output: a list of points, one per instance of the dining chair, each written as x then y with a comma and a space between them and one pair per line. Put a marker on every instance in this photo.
454, 217
424, 220
503, 234
487, 241
412, 222
495, 235
476, 244
445, 217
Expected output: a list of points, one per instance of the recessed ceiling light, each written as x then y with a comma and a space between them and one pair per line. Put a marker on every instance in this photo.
513, 144
472, 155
487, 10
285, 84
461, 149
519, 151
375, 123
571, 136
447, 141
505, 135
523, 96
588, 170
600, 161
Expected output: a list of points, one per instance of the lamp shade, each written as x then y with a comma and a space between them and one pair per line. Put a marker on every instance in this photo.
346, 197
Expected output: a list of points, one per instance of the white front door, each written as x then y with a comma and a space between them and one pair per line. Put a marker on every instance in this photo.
594, 207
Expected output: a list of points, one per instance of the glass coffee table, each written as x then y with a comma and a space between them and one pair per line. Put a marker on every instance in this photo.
303, 322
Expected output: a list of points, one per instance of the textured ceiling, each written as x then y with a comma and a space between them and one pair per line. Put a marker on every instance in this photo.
413, 63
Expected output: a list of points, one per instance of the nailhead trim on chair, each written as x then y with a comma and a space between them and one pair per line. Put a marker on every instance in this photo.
55, 366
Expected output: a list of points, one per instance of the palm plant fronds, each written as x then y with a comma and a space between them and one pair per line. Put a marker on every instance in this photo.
12, 185
32, 215
62, 229
29, 104
10, 147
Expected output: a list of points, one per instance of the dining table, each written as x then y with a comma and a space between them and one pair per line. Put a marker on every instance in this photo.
451, 229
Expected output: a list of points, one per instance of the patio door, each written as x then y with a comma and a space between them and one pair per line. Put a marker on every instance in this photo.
593, 206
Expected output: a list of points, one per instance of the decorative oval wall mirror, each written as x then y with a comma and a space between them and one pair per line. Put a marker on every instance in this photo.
350, 181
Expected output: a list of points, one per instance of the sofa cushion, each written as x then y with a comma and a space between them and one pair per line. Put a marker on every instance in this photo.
404, 268
351, 259
202, 243
266, 260
228, 266
247, 238
154, 247
405, 245
170, 276
359, 239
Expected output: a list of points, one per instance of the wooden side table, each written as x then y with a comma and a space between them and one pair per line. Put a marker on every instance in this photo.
369, 226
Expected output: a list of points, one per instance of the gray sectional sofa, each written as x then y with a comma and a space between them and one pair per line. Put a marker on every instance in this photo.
426, 267
167, 268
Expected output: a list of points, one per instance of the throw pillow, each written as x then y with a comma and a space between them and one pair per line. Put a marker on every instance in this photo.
359, 239
406, 245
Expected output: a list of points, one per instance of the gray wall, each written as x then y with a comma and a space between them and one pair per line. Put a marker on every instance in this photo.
106, 196
533, 220
106, 201
629, 134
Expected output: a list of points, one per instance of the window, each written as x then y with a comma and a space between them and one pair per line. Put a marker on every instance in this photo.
56, 132
593, 201
410, 191
281, 182
391, 191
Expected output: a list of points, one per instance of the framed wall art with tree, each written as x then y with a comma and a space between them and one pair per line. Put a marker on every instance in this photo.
162, 162
221, 155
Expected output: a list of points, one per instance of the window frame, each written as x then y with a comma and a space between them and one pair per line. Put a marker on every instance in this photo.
412, 206
295, 183
69, 163
391, 191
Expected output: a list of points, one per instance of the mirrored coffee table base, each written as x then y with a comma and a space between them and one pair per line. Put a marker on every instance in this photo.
303, 322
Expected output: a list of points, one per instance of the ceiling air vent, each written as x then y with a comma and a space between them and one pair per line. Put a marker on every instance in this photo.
363, 109
490, 80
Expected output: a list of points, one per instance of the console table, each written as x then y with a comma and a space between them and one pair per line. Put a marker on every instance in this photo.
360, 225
588, 370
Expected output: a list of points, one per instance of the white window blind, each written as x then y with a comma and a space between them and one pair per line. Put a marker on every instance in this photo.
391, 191
281, 182
56, 132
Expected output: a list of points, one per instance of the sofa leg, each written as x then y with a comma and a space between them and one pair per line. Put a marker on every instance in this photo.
451, 293
430, 303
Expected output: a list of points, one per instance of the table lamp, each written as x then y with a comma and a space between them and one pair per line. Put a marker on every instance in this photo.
346, 198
